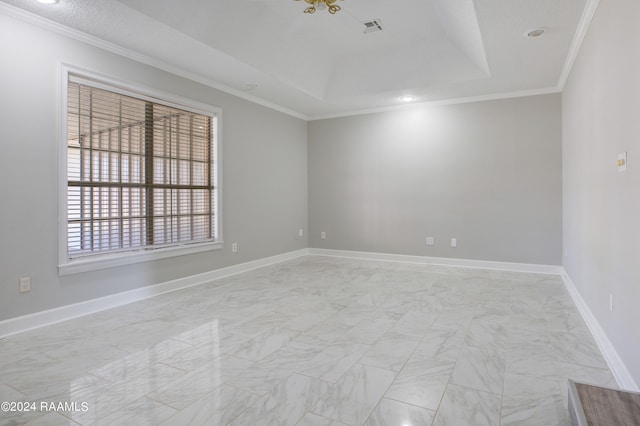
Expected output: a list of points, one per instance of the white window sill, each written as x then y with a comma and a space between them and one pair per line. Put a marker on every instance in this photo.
104, 261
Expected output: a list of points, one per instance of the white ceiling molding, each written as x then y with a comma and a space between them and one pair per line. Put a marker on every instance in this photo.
66, 31
583, 27
471, 99
322, 66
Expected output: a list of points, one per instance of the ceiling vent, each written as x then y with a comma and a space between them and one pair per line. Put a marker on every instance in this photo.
372, 26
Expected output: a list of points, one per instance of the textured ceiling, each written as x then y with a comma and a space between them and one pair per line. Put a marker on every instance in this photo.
322, 65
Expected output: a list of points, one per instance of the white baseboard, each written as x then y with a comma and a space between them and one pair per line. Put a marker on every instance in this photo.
615, 363
443, 261
64, 313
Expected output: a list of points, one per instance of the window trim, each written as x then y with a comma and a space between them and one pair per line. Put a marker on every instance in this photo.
92, 262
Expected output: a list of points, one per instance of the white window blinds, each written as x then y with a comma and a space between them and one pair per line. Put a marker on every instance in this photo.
139, 173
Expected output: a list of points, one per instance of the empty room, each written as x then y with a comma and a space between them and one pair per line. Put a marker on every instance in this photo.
320, 212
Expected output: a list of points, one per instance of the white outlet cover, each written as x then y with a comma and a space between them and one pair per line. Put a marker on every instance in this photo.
323, 235
454, 242
430, 241
25, 284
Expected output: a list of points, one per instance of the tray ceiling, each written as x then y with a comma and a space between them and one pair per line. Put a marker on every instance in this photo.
321, 65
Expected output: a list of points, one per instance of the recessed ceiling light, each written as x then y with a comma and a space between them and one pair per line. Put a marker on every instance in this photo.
408, 98
537, 32
47, 1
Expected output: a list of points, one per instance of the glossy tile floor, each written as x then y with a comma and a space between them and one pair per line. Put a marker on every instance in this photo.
315, 341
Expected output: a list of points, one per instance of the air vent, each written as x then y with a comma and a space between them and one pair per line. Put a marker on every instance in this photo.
372, 26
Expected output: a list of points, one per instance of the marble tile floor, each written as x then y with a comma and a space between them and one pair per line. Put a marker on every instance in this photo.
314, 341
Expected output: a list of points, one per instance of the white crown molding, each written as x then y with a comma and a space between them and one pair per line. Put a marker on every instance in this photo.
440, 261
55, 27
583, 28
66, 31
444, 102
615, 363
64, 313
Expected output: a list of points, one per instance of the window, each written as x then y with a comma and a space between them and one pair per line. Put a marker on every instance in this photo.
140, 172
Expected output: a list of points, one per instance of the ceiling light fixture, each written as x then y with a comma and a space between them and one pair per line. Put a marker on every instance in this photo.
322, 4
47, 1
408, 98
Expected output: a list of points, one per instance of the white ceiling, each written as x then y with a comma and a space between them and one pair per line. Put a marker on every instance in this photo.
325, 65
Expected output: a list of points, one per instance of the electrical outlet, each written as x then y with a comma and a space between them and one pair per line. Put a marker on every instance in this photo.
611, 302
300, 233
24, 284
323, 235
234, 247
454, 242
430, 241
566, 252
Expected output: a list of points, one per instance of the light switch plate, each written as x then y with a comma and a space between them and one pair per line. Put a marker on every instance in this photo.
622, 162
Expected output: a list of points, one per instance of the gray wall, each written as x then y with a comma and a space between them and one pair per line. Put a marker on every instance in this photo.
265, 174
486, 173
601, 118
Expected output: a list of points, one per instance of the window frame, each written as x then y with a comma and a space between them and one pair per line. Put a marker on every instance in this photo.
90, 262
